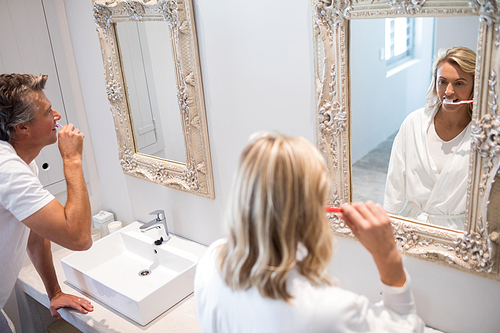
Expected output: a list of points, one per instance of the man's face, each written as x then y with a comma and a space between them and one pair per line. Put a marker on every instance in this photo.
42, 130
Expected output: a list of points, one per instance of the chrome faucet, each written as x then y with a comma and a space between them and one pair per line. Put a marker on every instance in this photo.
160, 222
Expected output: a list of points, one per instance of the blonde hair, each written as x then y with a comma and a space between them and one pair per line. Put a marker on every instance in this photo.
462, 56
276, 203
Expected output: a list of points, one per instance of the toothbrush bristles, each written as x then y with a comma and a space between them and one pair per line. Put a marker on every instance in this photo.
459, 102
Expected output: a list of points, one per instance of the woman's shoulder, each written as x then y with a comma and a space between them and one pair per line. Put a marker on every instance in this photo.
217, 243
417, 118
212, 251
206, 267
418, 114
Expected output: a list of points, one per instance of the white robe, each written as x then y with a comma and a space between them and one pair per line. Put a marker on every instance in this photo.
313, 308
413, 179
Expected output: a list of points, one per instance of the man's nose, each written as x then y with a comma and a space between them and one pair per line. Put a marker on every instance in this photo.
57, 115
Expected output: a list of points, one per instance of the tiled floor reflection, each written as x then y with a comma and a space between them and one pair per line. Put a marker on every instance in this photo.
370, 172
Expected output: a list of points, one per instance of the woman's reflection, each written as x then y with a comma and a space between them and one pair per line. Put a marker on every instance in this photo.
427, 175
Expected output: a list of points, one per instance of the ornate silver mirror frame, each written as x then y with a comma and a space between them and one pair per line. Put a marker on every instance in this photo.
194, 176
476, 249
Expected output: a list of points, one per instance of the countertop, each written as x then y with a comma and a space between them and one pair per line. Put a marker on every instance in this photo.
180, 318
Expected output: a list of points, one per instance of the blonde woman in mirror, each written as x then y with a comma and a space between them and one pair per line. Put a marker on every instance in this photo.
270, 273
429, 163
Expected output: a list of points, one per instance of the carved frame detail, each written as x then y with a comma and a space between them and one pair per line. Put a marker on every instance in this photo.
476, 249
195, 176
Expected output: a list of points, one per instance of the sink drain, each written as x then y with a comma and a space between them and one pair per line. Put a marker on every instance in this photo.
144, 272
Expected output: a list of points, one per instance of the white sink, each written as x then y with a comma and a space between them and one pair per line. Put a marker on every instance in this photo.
127, 272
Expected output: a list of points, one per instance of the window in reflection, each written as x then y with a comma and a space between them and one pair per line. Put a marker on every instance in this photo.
399, 37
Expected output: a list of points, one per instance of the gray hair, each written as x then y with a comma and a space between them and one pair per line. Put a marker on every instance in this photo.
15, 103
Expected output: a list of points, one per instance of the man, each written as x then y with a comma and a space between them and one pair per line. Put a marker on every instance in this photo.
30, 217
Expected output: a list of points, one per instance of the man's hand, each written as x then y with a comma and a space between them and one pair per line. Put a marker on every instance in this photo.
372, 227
70, 142
62, 300
67, 225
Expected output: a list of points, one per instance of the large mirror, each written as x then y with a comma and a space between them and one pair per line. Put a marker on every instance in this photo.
154, 86
373, 66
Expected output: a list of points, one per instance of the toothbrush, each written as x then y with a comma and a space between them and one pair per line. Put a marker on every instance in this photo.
458, 103
58, 126
330, 209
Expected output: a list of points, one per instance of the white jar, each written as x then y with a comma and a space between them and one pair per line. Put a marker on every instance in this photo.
114, 226
102, 220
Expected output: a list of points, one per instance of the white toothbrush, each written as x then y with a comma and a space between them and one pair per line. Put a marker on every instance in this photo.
458, 103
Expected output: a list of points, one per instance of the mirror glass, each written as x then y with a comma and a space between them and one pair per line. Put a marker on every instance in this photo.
148, 68
390, 72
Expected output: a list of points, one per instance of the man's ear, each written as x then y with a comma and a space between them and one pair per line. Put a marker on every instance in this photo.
21, 128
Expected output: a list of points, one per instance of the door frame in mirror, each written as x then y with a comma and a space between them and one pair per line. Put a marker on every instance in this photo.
195, 176
474, 250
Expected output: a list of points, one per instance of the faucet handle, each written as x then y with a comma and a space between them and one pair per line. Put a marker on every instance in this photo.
160, 214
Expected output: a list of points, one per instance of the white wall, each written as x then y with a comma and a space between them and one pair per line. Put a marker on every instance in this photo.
256, 60
460, 31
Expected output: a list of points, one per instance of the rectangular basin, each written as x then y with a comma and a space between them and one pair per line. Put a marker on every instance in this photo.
127, 272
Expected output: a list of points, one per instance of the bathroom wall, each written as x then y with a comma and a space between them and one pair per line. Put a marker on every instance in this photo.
462, 34
256, 61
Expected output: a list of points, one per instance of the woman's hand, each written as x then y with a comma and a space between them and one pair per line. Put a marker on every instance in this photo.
372, 227
62, 300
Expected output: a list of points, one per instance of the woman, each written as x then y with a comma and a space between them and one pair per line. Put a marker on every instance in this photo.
269, 274
428, 168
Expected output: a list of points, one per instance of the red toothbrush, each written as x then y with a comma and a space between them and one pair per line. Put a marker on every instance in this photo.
330, 209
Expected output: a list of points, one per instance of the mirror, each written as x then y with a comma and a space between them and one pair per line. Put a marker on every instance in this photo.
154, 86
149, 73
355, 102
390, 72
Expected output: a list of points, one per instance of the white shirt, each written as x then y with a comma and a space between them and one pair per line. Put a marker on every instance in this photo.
313, 308
21, 195
415, 188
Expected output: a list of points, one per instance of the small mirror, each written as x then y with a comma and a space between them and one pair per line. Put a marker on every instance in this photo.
154, 86
391, 70
152, 94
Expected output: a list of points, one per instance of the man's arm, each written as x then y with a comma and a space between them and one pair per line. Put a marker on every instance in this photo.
41, 256
68, 226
